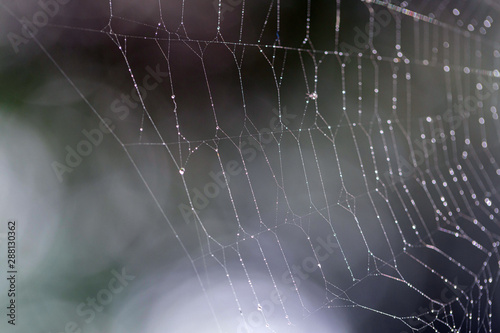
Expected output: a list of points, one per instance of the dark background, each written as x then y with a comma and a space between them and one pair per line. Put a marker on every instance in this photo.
120, 206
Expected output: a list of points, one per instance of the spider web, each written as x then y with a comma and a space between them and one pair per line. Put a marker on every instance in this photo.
323, 166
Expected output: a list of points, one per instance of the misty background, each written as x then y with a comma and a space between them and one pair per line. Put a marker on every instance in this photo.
319, 181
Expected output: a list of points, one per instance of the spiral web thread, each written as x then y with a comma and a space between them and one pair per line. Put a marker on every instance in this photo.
419, 183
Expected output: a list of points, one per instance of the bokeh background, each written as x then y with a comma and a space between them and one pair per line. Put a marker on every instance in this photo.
227, 71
